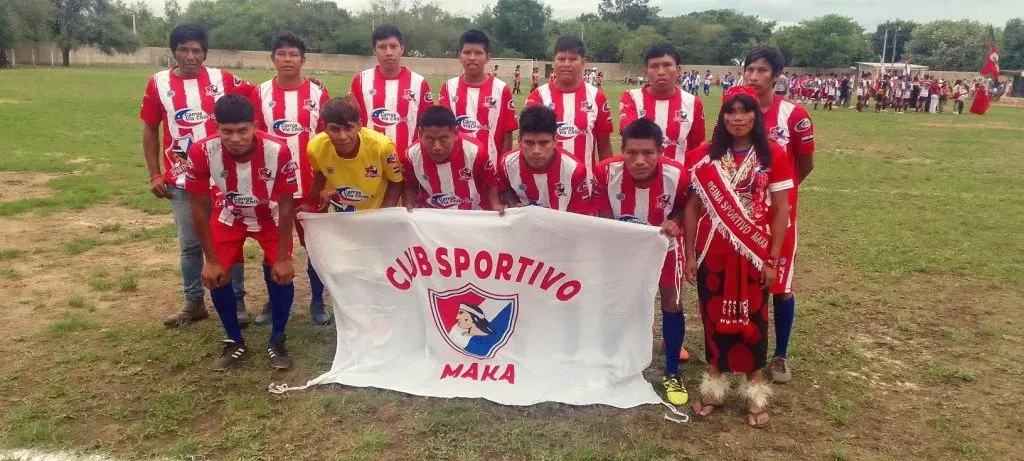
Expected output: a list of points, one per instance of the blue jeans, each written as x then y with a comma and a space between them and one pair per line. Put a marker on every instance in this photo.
192, 252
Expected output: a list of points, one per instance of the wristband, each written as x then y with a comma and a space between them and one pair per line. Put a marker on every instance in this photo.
152, 177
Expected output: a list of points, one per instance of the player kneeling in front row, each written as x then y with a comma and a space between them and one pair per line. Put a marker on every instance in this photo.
256, 176
444, 169
643, 186
539, 172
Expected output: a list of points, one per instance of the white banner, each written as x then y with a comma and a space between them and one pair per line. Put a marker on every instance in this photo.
535, 306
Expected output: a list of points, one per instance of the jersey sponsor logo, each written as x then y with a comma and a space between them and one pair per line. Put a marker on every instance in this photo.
803, 125
511, 105
342, 195
605, 107
372, 172
242, 200
264, 174
383, 117
491, 102
285, 128
428, 97
236, 80
446, 200
469, 124
188, 118
565, 131
632, 219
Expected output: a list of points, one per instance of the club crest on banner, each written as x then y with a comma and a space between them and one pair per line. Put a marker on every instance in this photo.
473, 321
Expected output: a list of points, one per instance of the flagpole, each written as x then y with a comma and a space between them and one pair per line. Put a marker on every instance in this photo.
885, 46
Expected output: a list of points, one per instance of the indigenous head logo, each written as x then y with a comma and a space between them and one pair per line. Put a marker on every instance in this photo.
409, 95
586, 106
472, 321
188, 118
632, 219
491, 102
372, 172
466, 174
560, 190
213, 90
264, 174
284, 128
469, 124
664, 201
566, 132
310, 105
779, 134
680, 116
445, 201
385, 117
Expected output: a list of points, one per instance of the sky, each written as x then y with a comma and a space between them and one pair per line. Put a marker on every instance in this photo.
869, 13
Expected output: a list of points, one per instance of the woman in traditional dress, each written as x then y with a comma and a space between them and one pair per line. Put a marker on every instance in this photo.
734, 224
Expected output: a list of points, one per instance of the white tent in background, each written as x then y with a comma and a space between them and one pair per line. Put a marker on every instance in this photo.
891, 67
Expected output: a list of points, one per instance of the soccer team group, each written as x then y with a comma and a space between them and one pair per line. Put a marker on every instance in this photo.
237, 161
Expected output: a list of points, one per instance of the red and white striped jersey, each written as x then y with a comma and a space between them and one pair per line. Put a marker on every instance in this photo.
680, 116
459, 183
582, 115
392, 105
185, 108
246, 190
619, 195
293, 116
789, 125
563, 186
485, 112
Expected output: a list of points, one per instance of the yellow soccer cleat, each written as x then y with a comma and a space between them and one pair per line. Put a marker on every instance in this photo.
675, 392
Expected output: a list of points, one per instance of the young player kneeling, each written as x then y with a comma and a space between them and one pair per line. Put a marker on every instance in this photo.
644, 187
255, 174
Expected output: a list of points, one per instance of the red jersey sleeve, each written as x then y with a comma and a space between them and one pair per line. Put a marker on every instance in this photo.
533, 99
443, 98
603, 124
508, 121
197, 170
408, 174
356, 90
696, 135
803, 131
152, 109
426, 97
780, 175
237, 85
285, 182
627, 110
580, 200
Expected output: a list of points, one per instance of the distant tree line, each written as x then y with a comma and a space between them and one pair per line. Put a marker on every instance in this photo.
618, 31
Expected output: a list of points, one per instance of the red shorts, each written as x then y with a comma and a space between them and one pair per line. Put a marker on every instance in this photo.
784, 279
671, 274
228, 243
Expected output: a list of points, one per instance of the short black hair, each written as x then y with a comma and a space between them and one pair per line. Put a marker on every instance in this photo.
642, 128
288, 39
340, 110
386, 31
537, 119
437, 117
190, 31
658, 50
770, 54
570, 44
476, 37
233, 108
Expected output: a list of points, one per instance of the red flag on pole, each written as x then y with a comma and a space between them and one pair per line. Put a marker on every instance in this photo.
991, 66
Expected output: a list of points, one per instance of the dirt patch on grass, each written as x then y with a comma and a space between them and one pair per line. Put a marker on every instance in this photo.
17, 185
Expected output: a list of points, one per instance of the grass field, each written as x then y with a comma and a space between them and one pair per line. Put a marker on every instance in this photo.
908, 341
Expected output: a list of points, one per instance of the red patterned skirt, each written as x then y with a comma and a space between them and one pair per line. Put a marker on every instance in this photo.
735, 348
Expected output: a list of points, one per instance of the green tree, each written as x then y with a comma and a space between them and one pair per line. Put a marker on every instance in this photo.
516, 23
699, 42
949, 45
900, 31
602, 38
632, 13
633, 48
77, 23
1012, 51
719, 36
826, 41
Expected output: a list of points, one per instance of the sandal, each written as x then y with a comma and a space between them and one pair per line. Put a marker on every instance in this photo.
755, 417
757, 396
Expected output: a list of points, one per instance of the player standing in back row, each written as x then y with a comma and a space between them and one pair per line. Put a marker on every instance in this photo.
288, 106
790, 126
390, 96
679, 114
482, 103
584, 120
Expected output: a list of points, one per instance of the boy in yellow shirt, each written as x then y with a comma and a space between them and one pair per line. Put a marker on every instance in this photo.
354, 168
